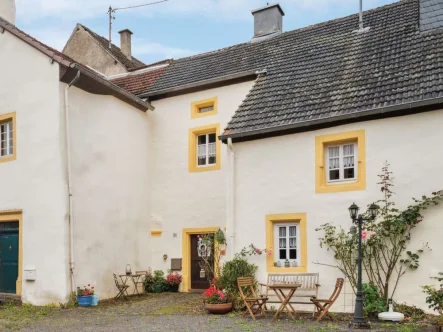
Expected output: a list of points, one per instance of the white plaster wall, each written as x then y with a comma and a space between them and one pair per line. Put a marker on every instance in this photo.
277, 175
181, 199
111, 182
36, 181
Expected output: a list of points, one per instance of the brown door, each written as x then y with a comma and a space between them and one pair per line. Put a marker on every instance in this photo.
197, 282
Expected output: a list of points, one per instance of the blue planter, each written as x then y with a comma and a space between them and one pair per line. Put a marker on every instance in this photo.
84, 301
94, 300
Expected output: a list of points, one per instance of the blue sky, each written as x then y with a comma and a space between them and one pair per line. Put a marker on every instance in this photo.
176, 28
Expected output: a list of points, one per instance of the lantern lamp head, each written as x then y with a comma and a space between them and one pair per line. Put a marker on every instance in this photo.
373, 210
353, 211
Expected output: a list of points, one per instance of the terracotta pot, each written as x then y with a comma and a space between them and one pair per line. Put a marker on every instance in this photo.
218, 309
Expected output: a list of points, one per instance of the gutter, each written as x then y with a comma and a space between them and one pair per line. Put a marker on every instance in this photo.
304, 124
113, 87
230, 197
71, 197
219, 79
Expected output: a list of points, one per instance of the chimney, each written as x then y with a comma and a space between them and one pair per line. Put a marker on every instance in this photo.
125, 42
268, 21
431, 15
7, 10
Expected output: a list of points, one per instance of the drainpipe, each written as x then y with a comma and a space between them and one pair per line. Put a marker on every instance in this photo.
231, 199
71, 198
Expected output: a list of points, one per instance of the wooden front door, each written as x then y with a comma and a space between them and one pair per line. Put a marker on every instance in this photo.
8, 256
197, 281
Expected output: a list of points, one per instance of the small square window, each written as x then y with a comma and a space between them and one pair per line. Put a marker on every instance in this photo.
341, 164
7, 137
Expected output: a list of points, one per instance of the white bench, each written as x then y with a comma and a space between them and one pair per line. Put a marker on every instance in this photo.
309, 287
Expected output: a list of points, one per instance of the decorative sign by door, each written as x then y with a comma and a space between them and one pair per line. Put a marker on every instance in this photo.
10, 248
204, 247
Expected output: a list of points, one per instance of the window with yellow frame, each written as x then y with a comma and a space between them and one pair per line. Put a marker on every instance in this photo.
204, 107
340, 163
204, 148
286, 237
8, 139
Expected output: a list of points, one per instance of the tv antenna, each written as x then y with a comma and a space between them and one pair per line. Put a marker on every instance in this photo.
111, 12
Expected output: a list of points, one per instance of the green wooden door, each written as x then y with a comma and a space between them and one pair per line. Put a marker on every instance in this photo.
8, 256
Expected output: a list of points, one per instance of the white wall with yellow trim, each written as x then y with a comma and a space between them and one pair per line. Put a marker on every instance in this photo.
111, 183
278, 176
180, 197
33, 183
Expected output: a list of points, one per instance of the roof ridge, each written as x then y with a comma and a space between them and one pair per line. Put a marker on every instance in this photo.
308, 27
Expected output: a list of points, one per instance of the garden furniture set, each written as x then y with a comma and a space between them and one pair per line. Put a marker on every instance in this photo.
137, 279
289, 289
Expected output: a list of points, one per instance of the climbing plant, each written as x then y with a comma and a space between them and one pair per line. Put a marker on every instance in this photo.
385, 240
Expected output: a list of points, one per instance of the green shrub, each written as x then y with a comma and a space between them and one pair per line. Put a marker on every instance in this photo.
232, 270
374, 303
148, 283
409, 311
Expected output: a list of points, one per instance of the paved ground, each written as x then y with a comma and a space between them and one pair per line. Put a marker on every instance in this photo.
161, 312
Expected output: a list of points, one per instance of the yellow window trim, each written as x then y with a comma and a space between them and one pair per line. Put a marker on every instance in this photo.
196, 105
16, 215
5, 118
156, 233
193, 133
186, 253
321, 185
272, 219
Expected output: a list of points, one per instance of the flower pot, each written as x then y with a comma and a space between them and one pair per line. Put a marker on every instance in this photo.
84, 301
218, 309
157, 288
94, 300
173, 288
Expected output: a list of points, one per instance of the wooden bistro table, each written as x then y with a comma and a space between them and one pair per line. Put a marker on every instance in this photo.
135, 277
285, 298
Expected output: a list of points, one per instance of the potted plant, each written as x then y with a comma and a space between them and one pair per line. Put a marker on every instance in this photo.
173, 281
159, 281
220, 238
216, 301
84, 295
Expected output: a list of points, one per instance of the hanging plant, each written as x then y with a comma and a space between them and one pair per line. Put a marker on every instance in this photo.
220, 237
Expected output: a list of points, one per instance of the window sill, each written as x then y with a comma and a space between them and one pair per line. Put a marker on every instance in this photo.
6, 159
271, 268
340, 187
204, 169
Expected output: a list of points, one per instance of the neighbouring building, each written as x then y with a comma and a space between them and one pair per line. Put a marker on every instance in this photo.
266, 140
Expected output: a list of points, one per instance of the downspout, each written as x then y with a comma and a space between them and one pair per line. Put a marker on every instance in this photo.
230, 223
71, 198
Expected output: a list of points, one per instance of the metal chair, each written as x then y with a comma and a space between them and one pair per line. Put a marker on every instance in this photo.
141, 281
323, 306
122, 289
254, 304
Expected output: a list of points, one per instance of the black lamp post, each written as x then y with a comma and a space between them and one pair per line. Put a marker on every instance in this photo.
359, 322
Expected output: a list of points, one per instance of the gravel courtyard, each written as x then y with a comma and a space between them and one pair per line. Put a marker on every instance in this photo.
161, 312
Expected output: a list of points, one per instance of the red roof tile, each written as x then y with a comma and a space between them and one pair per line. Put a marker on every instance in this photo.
139, 83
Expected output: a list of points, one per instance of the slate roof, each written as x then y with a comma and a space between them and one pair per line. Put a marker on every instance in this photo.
115, 51
139, 83
326, 71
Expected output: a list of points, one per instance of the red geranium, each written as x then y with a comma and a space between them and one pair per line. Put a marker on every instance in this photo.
213, 295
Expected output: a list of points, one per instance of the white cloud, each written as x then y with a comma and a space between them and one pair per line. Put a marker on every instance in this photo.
142, 47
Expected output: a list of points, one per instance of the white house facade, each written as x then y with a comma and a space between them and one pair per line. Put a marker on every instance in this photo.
265, 140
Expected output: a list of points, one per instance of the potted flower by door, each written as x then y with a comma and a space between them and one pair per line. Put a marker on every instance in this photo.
216, 302
173, 281
84, 295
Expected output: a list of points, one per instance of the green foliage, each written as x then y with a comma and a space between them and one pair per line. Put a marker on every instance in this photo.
410, 311
232, 270
219, 237
374, 303
387, 237
154, 283
434, 297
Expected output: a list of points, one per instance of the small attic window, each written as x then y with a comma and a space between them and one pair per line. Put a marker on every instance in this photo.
204, 107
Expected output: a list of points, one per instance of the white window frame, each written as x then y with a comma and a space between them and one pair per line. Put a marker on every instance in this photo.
341, 166
9, 130
277, 243
208, 148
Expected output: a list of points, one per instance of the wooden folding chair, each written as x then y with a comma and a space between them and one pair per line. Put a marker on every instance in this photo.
254, 304
141, 280
323, 306
122, 289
